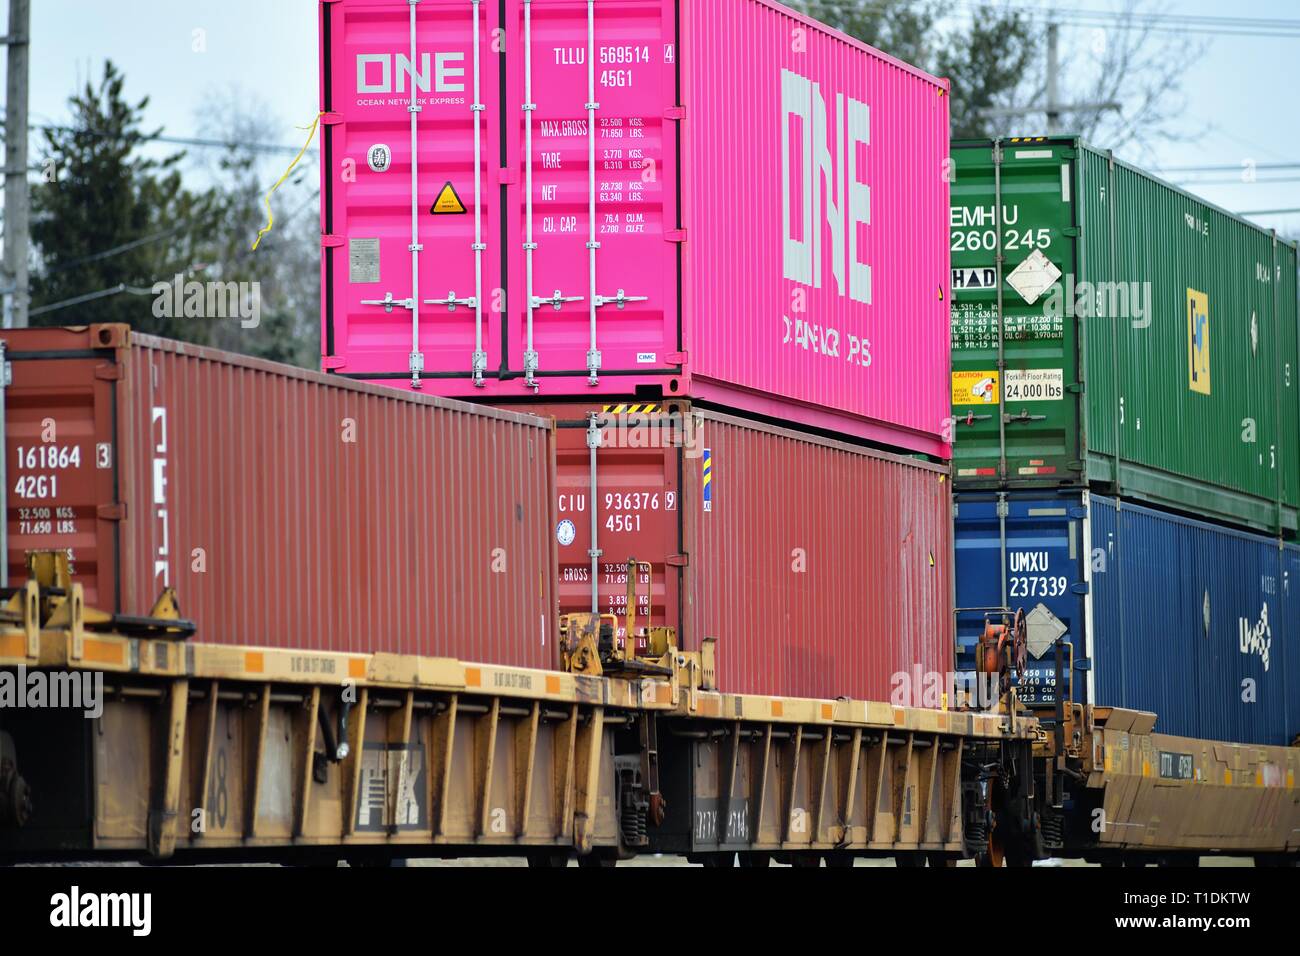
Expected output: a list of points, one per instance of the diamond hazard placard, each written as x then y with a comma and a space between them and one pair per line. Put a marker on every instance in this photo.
1034, 276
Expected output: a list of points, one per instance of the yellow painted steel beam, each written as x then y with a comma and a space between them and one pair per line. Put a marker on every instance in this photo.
1177, 793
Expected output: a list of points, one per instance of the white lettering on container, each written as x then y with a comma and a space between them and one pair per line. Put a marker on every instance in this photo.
848, 200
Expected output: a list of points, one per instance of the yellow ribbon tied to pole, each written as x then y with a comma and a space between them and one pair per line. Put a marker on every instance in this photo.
270, 216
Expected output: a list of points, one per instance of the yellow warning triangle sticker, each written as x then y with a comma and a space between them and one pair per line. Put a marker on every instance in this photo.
448, 203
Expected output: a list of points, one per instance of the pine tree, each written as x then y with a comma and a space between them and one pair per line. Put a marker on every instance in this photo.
105, 216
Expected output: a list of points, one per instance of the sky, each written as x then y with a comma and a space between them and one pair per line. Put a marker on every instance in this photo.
1239, 94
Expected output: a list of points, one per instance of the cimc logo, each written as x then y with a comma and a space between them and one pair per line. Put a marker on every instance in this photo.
809, 163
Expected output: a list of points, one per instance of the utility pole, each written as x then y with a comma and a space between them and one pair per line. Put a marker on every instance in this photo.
1053, 107
1053, 74
16, 236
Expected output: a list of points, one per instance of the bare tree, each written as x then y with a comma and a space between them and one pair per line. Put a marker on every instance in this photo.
987, 51
996, 55
1140, 63
286, 265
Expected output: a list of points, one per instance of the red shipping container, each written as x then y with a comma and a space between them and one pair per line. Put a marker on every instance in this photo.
822, 568
720, 200
288, 508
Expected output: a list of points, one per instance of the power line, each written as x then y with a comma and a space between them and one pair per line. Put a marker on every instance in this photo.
174, 140
1227, 168
1267, 212
123, 287
1124, 21
91, 297
118, 250
1161, 22
1238, 181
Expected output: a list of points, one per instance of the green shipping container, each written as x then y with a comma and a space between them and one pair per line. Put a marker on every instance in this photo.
1111, 330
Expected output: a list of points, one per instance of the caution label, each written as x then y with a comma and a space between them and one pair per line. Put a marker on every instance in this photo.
448, 203
975, 388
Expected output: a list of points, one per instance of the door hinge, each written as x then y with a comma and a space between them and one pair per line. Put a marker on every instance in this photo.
113, 512
331, 242
675, 235
675, 113
333, 361
678, 358
678, 560
1076, 388
111, 372
1079, 588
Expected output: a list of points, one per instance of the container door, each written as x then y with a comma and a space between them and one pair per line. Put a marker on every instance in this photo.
1036, 232
411, 108
61, 463
596, 210
629, 510
1046, 550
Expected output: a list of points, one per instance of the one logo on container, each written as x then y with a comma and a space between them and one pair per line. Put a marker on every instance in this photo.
847, 199
440, 72
1257, 637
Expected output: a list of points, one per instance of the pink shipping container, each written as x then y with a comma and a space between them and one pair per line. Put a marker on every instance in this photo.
288, 509
715, 199
822, 568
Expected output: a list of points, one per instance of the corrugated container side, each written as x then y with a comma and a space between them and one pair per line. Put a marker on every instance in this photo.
1195, 622
1285, 292
1202, 251
821, 567
763, 232
837, 300
1168, 341
1208, 627
287, 508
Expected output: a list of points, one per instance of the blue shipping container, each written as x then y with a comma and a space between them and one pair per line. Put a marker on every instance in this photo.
1195, 622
